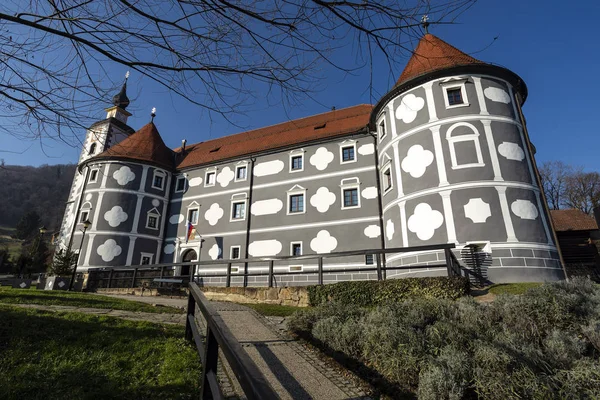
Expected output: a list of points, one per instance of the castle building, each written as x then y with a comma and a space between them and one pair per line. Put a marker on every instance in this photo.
443, 157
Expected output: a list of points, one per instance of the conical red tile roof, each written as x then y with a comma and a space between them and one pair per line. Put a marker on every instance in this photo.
433, 54
145, 145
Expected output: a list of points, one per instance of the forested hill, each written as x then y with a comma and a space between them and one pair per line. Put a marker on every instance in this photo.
41, 189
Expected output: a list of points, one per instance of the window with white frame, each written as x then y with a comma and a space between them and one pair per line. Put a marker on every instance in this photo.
296, 249
93, 176
349, 191
238, 210
210, 178
193, 214
465, 149
234, 253
180, 184
381, 128
386, 178
297, 161
241, 172
455, 94
347, 152
84, 216
146, 258
369, 259
296, 200
152, 219
158, 180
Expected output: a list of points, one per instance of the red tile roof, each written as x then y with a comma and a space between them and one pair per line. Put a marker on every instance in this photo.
433, 54
144, 145
572, 220
330, 124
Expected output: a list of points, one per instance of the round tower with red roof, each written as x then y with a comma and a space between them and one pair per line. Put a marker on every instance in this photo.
457, 166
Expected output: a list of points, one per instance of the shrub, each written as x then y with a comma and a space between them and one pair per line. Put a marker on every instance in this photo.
372, 293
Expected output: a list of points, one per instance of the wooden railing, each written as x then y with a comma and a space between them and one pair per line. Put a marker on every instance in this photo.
218, 336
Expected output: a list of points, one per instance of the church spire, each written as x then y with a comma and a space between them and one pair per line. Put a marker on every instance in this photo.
120, 100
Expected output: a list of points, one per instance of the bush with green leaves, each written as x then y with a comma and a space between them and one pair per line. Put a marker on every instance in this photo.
544, 344
372, 293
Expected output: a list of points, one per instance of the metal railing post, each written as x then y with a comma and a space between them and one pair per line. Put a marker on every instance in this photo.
378, 256
133, 278
449, 266
320, 270
110, 274
271, 273
228, 279
162, 273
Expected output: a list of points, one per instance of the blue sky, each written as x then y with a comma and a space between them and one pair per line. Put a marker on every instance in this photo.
550, 44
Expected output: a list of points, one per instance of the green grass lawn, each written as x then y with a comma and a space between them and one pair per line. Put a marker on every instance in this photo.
273, 310
75, 299
46, 355
513, 288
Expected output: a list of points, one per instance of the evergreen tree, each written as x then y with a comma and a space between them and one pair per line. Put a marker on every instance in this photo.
63, 263
28, 225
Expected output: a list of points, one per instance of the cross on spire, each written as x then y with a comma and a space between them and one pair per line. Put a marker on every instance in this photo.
425, 22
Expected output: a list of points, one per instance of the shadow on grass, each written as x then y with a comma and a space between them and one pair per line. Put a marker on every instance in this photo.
76, 356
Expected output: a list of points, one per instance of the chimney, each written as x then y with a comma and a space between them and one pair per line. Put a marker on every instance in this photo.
183, 142
597, 215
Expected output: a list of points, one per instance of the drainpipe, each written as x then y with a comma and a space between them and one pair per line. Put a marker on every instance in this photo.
539, 183
379, 200
249, 218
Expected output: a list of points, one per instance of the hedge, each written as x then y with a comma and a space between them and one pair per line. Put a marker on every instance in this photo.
373, 293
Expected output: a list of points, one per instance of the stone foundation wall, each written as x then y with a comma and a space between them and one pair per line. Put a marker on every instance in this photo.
288, 296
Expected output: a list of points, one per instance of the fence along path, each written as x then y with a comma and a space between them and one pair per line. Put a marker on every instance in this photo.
267, 364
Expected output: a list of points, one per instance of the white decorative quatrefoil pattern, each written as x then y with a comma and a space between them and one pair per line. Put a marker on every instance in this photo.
477, 210
417, 160
213, 214
124, 175
524, 209
323, 242
321, 158
322, 199
214, 252
225, 176
425, 221
409, 108
109, 250
115, 216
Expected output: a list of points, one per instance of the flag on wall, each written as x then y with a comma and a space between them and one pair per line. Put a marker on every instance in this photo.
191, 232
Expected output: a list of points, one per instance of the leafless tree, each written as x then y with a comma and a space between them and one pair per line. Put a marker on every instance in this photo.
216, 54
553, 175
583, 191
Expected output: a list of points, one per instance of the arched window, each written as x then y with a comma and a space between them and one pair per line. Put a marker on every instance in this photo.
92, 148
465, 150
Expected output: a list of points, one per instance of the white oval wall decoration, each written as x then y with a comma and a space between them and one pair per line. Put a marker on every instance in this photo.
169, 249
265, 248
176, 219
369, 192
389, 229
372, 231
511, 151
266, 207
214, 252
195, 181
496, 94
524, 209
268, 168
366, 149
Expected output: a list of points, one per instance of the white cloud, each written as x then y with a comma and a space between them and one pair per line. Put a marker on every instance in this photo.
266, 207
511, 151
176, 219
321, 158
214, 252
524, 209
197, 181
268, 168
225, 176
265, 248
372, 231
115, 216
169, 249
477, 210
213, 214
369, 192
322, 199
496, 94
425, 221
124, 175
389, 229
109, 250
366, 149
409, 107
323, 243
416, 161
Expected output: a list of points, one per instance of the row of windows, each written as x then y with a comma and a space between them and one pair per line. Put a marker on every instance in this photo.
158, 179
152, 218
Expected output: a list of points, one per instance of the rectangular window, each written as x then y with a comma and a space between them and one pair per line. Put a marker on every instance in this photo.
158, 182
146, 260
210, 178
296, 248
240, 173
387, 179
351, 197
454, 96
152, 222
347, 153
84, 216
93, 175
235, 253
193, 216
180, 187
296, 203
238, 210
369, 259
382, 131
296, 163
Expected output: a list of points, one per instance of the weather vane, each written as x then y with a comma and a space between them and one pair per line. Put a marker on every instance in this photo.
153, 113
425, 22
